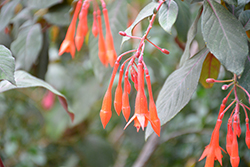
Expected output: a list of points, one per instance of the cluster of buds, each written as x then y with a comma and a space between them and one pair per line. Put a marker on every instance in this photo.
107, 53
136, 71
212, 151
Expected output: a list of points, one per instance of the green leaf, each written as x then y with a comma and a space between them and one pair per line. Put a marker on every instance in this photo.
7, 65
190, 37
210, 69
58, 16
245, 77
40, 4
117, 21
27, 46
235, 10
25, 80
167, 15
7, 12
243, 2
231, 2
144, 13
245, 19
225, 36
183, 20
178, 89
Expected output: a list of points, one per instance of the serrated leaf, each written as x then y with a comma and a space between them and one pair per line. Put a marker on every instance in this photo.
178, 89
183, 20
210, 69
168, 14
190, 37
25, 80
40, 4
245, 19
225, 36
144, 13
27, 46
117, 21
7, 12
7, 65
245, 77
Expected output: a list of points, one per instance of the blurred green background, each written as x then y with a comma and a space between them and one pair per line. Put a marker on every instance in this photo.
31, 135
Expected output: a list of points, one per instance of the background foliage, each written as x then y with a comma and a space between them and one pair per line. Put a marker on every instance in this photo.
33, 135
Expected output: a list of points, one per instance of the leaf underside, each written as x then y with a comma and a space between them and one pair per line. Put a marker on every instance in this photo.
178, 89
25, 80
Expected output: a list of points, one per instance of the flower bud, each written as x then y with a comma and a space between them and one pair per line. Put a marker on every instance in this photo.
210, 80
122, 33
165, 51
225, 87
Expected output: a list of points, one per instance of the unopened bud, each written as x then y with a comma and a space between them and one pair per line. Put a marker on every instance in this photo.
165, 51
122, 33
224, 87
210, 80
155, 11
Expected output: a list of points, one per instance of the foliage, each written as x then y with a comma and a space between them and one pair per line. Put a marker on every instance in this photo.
206, 39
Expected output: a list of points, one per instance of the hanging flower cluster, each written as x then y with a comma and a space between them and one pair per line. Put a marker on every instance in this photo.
137, 71
213, 150
107, 54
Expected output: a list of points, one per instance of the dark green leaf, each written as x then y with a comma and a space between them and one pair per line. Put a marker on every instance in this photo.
235, 10
245, 77
7, 12
39, 4
243, 2
167, 15
25, 80
245, 19
144, 13
58, 16
231, 2
190, 37
117, 21
183, 20
225, 36
27, 46
7, 65
178, 89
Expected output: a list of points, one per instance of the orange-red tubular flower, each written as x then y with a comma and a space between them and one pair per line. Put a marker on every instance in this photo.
125, 104
213, 150
68, 44
94, 26
153, 117
234, 157
118, 94
247, 139
106, 113
141, 112
82, 28
111, 53
101, 42
229, 138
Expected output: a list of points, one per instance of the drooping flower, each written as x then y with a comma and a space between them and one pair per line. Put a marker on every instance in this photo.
141, 115
82, 27
94, 26
68, 44
111, 53
213, 150
106, 113
118, 95
102, 53
247, 139
153, 117
229, 137
234, 157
